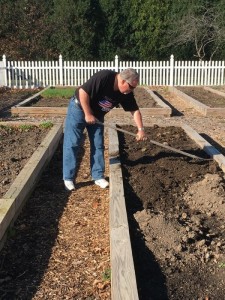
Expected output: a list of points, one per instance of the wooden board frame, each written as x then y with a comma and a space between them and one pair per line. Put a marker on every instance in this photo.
123, 278
14, 199
22, 110
197, 105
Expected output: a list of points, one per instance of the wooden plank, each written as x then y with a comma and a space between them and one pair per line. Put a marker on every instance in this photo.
123, 281
206, 146
39, 111
117, 112
23, 185
215, 112
202, 108
7, 213
28, 100
220, 93
113, 144
158, 100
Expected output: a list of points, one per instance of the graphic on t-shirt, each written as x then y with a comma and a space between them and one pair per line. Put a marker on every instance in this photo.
105, 104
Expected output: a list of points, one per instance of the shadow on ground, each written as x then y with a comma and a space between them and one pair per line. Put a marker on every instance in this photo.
213, 143
27, 251
151, 282
175, 112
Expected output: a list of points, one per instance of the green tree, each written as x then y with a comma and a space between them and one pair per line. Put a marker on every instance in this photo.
78, 27
24, 30
149, 21
196, 30
116, 40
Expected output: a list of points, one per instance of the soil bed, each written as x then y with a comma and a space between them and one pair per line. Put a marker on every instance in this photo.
176, 213
10, 97
49, 102
206, 97
17, 144
219, 88
143, 99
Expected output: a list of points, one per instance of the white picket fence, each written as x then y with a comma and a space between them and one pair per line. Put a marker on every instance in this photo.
29, 74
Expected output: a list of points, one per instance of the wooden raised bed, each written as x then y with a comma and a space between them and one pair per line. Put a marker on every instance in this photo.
218, 92
14, 199
200, 107
123, 278
22, 110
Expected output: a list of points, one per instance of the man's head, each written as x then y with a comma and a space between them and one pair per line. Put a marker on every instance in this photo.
128, 80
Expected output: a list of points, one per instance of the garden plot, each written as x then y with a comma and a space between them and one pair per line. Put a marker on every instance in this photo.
219, 88
203, 99
40, 105
176, 212
11, 97
26, 149
49, 102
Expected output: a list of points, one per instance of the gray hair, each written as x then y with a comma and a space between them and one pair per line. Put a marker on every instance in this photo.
129, 75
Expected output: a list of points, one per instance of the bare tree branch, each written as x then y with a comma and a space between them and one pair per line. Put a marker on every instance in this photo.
201, 30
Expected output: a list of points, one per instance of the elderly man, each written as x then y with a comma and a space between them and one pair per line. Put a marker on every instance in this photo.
103, 91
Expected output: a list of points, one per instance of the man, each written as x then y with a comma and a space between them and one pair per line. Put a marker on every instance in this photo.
103, 91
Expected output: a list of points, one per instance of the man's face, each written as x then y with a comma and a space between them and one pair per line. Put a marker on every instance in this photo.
126, 87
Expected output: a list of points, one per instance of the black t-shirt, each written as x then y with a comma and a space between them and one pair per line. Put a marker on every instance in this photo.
102, 95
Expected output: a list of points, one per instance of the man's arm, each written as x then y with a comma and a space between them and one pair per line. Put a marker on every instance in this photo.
138, 121
85, 103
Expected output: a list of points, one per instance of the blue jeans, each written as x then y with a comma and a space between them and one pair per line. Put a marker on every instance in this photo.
73, 134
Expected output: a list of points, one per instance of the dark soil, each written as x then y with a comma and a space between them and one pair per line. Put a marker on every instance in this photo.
17, 144
206, 97
10, 97
219, 88
176, 210
49, 102
144, 99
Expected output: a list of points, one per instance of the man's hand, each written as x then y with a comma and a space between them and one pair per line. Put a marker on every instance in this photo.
90, 119
141, 136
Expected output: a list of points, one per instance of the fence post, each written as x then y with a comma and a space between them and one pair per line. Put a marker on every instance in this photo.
60, 70
171, 70
116, 63
3, 73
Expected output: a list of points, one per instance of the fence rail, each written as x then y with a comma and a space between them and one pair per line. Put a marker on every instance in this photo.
29, 74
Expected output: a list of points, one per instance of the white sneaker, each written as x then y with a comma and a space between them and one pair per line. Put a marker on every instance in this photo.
69, 185
102, 183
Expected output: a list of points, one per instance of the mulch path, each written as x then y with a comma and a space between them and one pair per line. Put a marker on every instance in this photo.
59, 246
